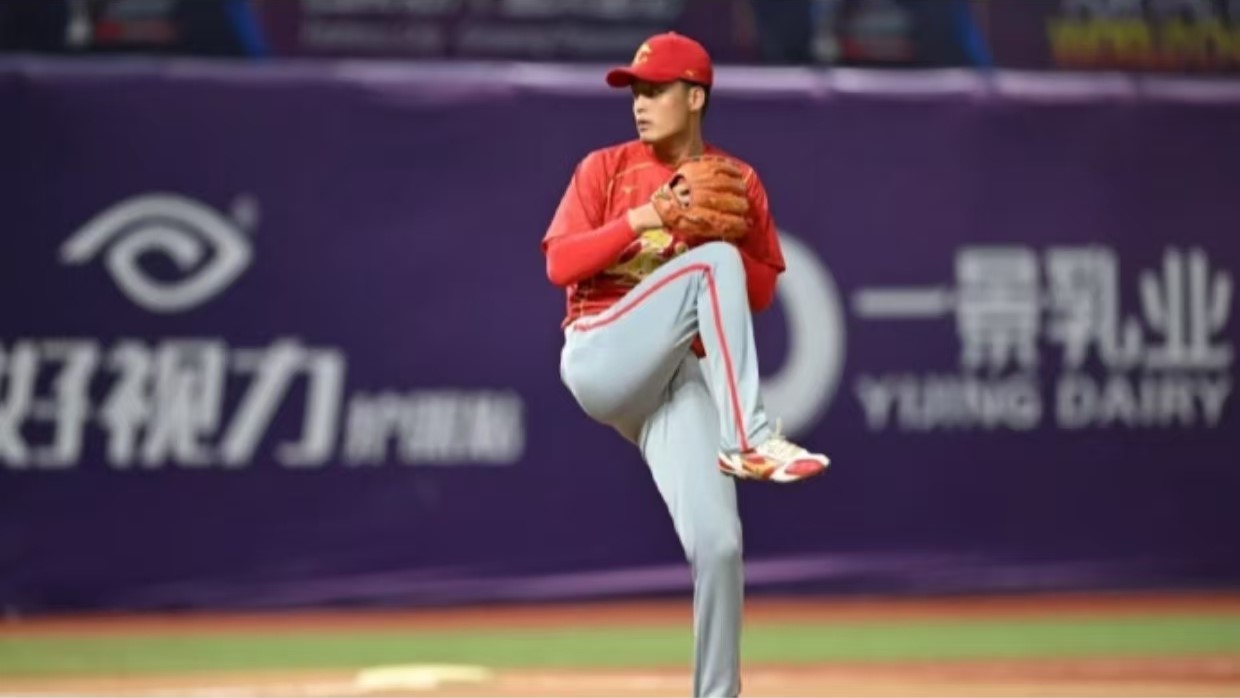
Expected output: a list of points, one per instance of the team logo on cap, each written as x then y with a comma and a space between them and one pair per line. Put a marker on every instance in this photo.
643, 54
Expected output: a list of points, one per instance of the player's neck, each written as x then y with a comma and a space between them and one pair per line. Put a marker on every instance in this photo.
680, 147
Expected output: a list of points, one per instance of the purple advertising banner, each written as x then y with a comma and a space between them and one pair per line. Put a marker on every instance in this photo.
281, 336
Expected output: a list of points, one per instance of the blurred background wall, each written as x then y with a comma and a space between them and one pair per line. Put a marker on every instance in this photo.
276, 331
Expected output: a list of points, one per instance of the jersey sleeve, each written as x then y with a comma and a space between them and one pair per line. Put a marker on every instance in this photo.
760, 249
579, 243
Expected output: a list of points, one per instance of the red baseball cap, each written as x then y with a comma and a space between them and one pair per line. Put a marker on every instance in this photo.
666, 58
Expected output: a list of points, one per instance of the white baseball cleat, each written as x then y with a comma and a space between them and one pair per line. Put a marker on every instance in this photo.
776, 459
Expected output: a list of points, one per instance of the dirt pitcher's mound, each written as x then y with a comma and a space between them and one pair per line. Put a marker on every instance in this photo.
1195, 676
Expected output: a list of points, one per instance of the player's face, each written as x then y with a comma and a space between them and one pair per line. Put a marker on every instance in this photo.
661, 110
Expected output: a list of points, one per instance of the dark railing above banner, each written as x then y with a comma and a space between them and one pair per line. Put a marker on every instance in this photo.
1170, 36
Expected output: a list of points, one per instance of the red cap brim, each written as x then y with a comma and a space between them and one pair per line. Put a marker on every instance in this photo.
620, 77
623, 77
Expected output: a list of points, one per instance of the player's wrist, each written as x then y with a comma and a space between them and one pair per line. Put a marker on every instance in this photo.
643, 218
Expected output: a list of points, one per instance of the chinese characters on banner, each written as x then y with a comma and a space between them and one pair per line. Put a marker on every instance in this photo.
1045, 339
166, 403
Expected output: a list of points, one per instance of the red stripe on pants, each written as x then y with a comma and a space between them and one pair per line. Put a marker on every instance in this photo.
733, 393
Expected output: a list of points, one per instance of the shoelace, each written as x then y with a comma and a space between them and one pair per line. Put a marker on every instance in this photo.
780, 448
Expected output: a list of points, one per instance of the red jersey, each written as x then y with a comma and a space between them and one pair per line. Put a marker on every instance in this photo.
595, 254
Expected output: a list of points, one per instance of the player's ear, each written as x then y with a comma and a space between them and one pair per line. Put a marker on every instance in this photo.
697, 97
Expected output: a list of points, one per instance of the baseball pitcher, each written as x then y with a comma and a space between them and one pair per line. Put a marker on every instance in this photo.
666, 246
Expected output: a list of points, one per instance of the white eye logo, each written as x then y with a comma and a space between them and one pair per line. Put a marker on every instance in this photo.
211, 248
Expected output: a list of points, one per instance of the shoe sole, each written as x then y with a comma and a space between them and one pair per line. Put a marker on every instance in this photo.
778, 475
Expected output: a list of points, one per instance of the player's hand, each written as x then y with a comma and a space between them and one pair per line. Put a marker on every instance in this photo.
644, 217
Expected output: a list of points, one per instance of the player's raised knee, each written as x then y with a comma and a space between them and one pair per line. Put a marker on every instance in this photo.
723, 257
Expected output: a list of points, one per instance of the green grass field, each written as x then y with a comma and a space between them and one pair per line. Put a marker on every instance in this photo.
653, 645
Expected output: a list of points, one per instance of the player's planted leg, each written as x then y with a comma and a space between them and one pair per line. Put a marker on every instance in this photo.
678, 442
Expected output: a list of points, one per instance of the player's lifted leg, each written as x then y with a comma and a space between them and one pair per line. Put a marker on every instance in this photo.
750, 449
631, 348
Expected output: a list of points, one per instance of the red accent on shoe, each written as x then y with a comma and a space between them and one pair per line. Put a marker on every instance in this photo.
804, 468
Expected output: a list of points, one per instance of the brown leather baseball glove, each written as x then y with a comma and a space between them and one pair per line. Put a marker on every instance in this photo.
717, 204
